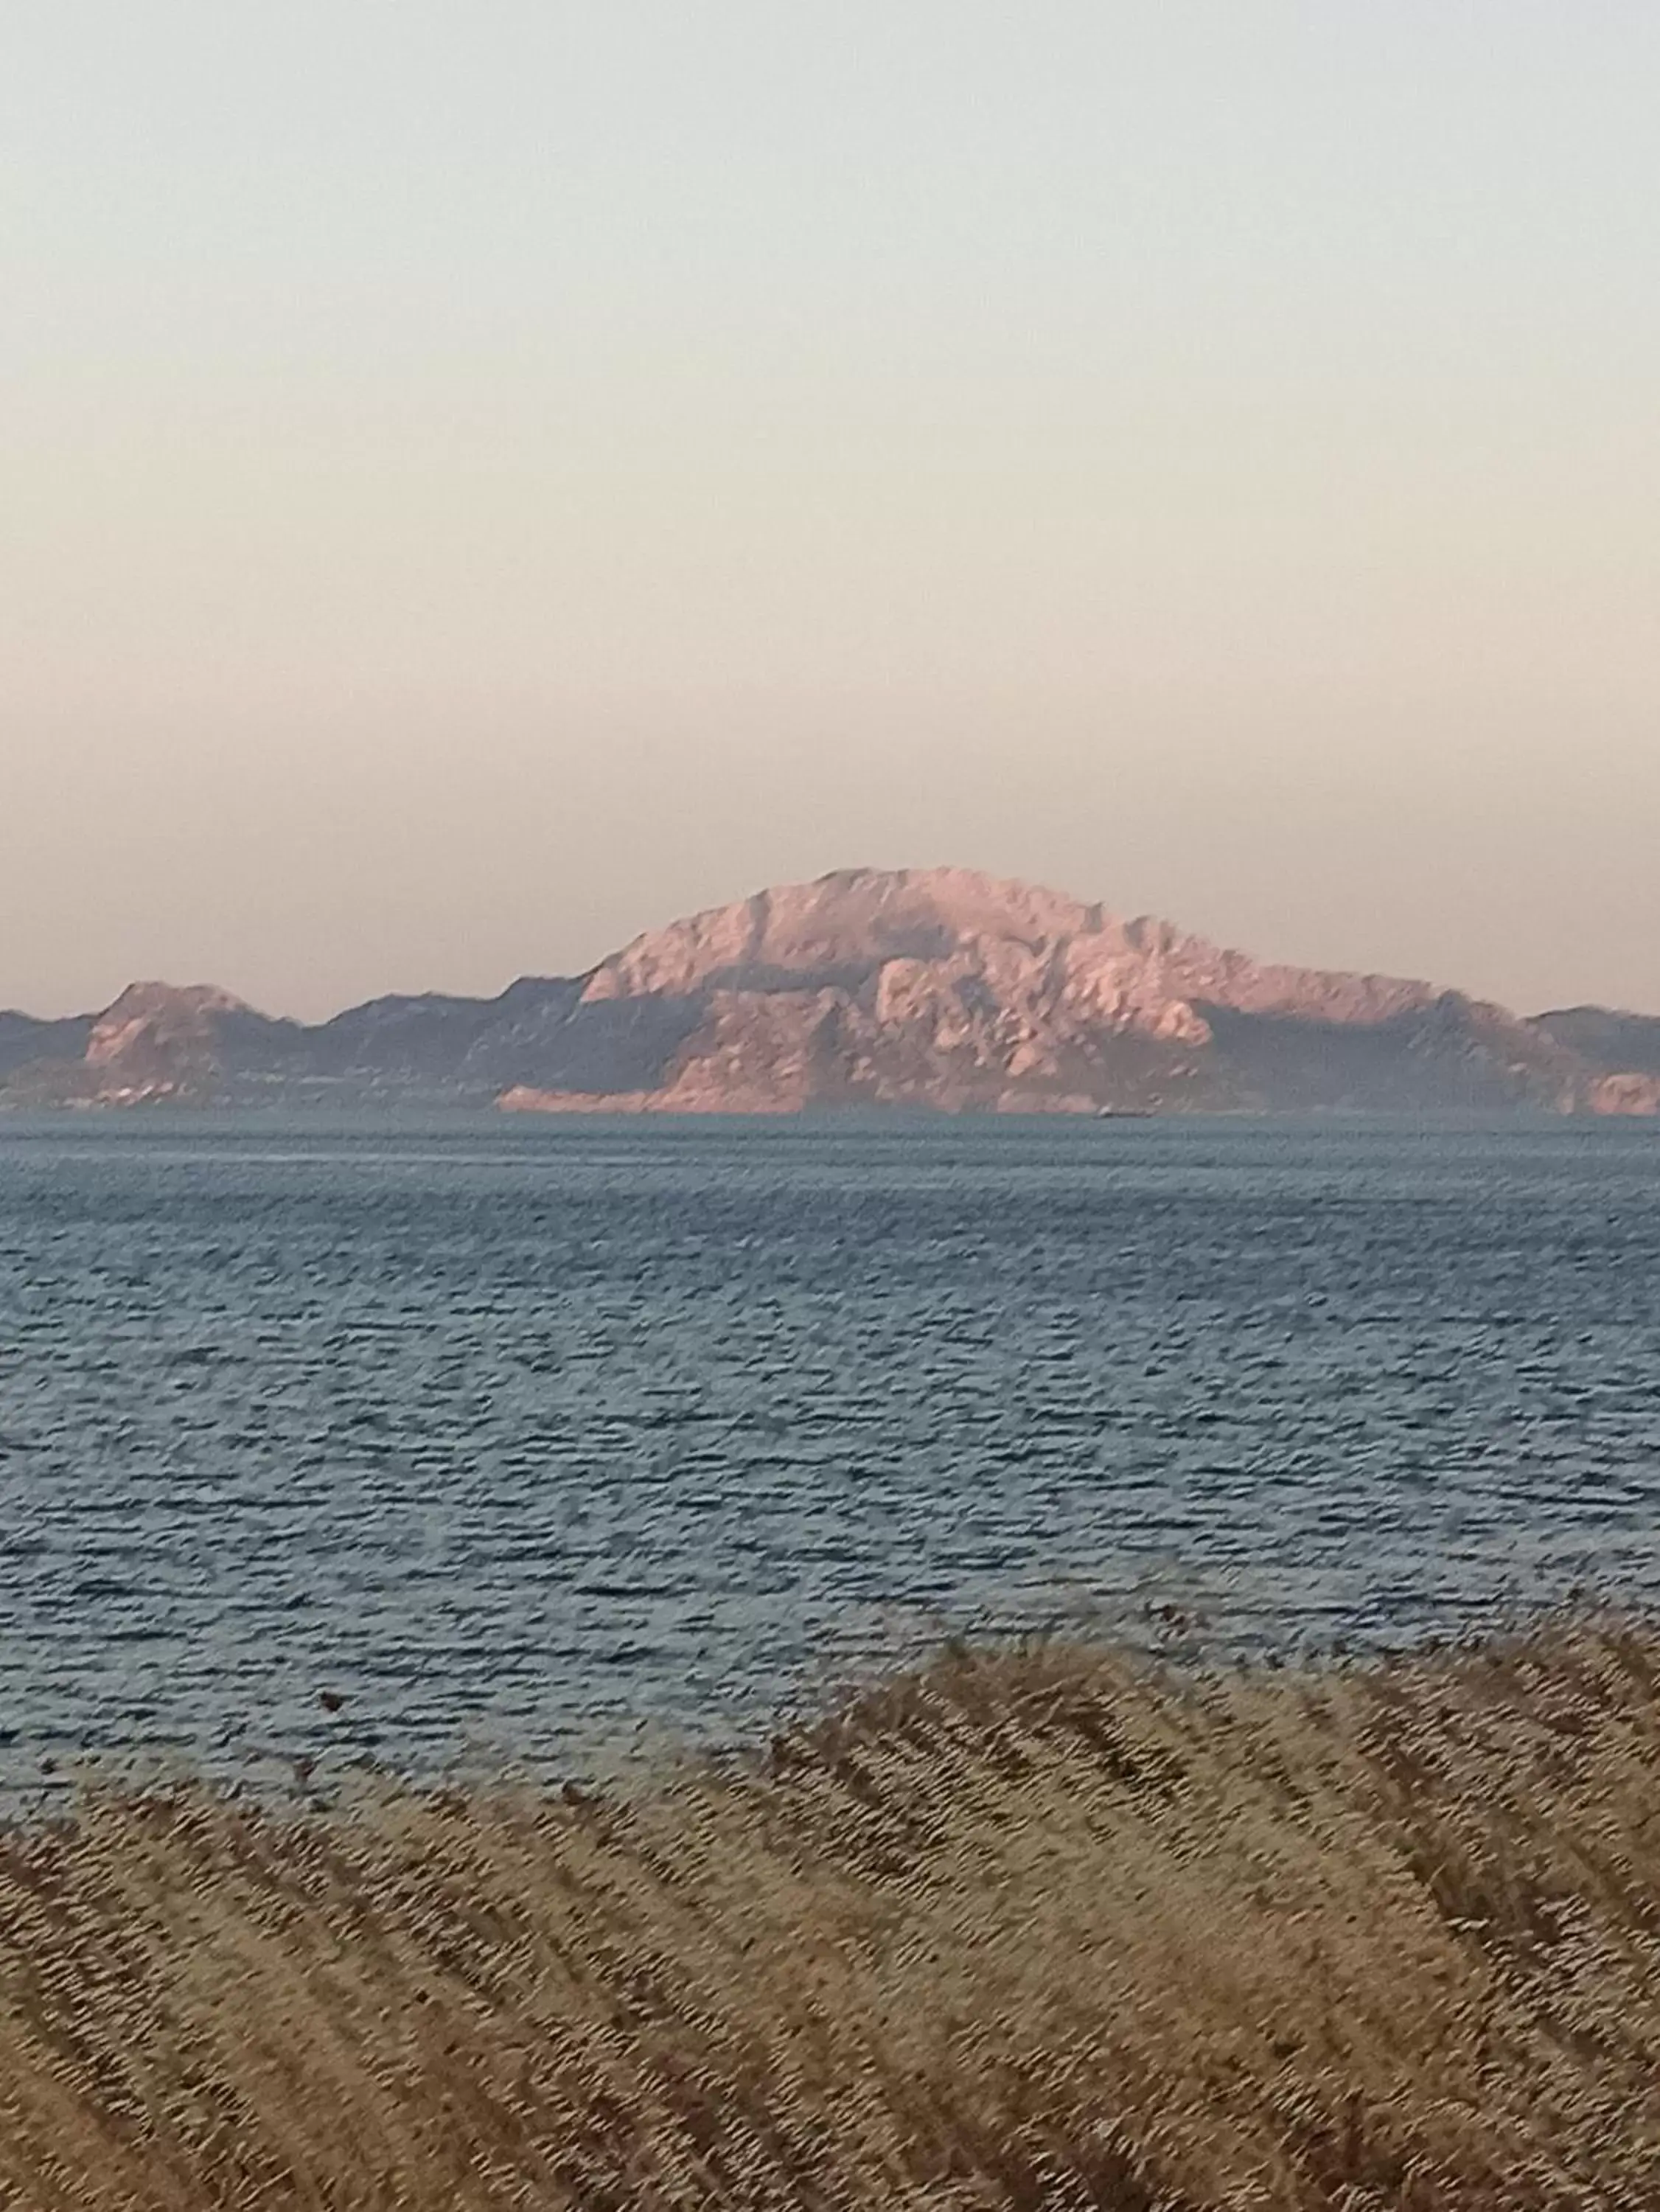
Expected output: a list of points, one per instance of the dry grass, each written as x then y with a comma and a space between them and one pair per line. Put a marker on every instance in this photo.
1031, 1930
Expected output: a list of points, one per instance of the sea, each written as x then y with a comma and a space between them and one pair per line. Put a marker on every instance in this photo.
492, 1446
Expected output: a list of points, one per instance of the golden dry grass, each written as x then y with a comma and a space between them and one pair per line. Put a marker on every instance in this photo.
1047, 1928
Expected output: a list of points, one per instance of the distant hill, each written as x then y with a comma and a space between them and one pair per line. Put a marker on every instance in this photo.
935, 989
1613, 1043
24, 1039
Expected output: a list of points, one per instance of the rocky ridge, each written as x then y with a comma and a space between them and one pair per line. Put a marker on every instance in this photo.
935, 989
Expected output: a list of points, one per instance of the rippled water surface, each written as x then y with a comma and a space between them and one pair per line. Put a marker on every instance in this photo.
514, 1435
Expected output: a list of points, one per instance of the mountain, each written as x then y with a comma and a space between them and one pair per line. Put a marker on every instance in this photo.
196, 1046
934, 988
950, 990
1615, 1043
156, 1043
24, 1041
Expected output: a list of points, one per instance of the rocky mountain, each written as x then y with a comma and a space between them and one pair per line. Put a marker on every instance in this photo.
24, 1041
945, 989
1615, 1043
156, 1043
935, 989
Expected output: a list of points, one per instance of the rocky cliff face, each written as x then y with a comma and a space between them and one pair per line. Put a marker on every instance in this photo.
935, 989
944, 989
158, 1043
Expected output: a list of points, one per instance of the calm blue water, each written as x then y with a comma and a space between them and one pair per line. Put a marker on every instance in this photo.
515, 1434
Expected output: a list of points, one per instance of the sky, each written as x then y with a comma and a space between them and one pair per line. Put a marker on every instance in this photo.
479, 479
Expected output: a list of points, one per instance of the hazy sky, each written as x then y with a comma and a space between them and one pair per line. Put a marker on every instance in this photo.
477, 479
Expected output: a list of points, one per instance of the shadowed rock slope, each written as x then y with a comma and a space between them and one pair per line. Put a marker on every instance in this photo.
1615, 1043
937, 989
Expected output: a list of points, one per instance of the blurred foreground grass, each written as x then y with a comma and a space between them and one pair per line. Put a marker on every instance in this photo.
1048, 1928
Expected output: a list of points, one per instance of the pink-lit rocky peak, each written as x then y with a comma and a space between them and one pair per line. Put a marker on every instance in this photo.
926, 989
